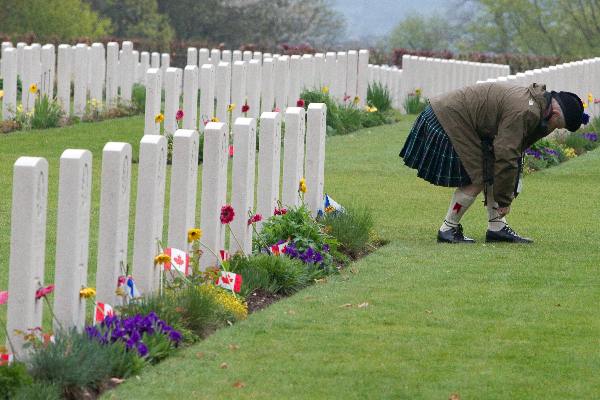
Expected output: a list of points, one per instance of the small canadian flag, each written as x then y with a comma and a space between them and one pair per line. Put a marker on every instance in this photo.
102, 311
279, 249
231, 281
224, 255
6, 359
180, 260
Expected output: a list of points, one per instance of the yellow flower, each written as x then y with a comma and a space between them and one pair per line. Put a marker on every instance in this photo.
228, 301
325, 89
194, 234
231, 107
214, 119
590, 97
33, 88
1, 94
159, 118
120, 292
585, 105
87, 293
20, 108
570, 152
370, 109
327, 229
162, 258
302, 185
418, 92
356, 100
329, 209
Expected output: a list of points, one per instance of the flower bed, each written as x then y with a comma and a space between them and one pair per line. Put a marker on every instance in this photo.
291, 251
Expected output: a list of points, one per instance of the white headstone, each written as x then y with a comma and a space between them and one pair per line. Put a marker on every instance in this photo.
127, 66
190, 97
26, 262
113, 226
293, 155
247, 56
173, 77
207, 94
9, 76
342, 73
267, 86
315, 156
72, 238
80, 90
352, 77
153, 100
112, 74
47, 71
253, 85
238, 88
223, 90
184, 184
192, 56
98, 71
149, 212
203, 57
268, 163
281, 81
330, 76
214, 190
242, 190
362, 79
295, 77
144, 67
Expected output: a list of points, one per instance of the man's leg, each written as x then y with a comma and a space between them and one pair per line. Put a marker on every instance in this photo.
451, 229
498, 229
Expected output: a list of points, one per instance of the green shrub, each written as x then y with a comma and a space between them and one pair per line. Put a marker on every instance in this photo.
378, 96
334, 124
350, 118
38, 391
580, 142
73, 363
352, 229
534, 163
371, 119
274, 274
414, 103
138, 98
46, 113
12, 378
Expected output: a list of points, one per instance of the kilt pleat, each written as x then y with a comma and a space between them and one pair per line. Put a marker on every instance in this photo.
428, 149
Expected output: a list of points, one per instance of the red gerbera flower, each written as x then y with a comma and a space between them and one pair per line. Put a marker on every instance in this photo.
179, 115
245, 108
254, 219
44, 291
280, 211
227, 214
300, 103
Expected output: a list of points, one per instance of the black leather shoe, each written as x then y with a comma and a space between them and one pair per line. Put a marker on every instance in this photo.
506, 235
454, 235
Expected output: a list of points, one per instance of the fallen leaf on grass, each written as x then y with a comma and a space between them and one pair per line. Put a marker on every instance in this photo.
347, 305
354, 270
199, 355
454, 396
322, 280
363, 305
429, 311
557, 305
290, 312
223, 365
234, 346
239, 384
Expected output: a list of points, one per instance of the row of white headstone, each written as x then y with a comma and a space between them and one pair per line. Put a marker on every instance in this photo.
107, 75
435, 76
303, 156
579, 77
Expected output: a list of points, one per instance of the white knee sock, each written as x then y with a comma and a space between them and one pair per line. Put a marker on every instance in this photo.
495, 223
458, 206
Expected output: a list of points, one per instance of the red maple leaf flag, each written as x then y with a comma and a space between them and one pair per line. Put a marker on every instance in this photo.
102, 311
230, 281
180, 260
6, 359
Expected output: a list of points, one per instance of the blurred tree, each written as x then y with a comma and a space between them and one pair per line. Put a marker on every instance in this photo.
135, 19
60, 19
424, 33
263, 22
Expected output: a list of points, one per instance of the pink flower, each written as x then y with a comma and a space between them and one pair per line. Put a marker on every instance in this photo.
276, 109
346, 98
300, 103
254, 219
280, 211
3, 297
227, 214
44, 291
230, 150
179, 115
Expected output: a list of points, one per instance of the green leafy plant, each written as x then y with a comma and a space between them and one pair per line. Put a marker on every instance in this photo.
415, 103
138, 98
47, 113
12, 378
352, 228
379, 97
38, 391
73, 362
281, 275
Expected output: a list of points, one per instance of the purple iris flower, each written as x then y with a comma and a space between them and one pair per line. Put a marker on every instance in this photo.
142, 349
591, 136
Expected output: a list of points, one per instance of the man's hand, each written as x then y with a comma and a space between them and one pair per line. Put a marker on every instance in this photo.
503, 211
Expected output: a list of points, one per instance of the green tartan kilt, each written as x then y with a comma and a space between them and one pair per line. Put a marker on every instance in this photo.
428, 150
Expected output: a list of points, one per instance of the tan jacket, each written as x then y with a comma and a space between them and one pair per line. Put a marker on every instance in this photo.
509, 114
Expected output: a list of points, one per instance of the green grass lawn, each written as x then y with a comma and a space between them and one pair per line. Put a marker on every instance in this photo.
483, 321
